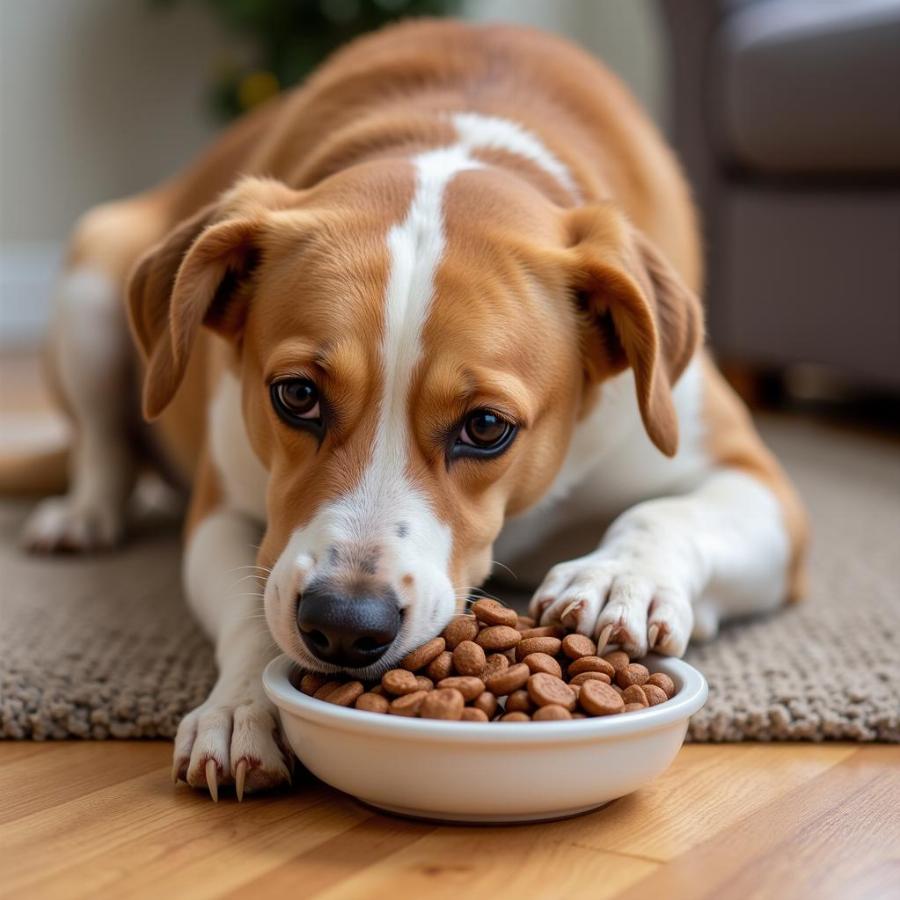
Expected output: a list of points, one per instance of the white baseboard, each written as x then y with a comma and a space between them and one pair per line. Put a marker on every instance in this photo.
28, 273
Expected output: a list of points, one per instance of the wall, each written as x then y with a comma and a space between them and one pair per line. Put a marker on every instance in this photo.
99, 98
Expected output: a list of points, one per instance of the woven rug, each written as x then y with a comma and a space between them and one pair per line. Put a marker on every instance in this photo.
103, 647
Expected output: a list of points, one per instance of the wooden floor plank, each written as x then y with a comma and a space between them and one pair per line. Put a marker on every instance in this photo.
143, 837
720, 783
102, 820
47, 779
524, 862
834, 836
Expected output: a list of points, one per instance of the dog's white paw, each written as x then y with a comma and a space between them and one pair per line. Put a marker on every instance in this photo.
617, 601
231, 743
64, 524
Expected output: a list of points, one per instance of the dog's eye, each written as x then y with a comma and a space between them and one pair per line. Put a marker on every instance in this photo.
484, 433
296, 400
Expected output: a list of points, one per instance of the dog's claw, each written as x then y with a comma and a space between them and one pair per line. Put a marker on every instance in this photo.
603, 638
240, 773
212, 781
652, 635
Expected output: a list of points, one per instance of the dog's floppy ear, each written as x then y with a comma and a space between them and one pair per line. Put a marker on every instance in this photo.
197, 276
639, 314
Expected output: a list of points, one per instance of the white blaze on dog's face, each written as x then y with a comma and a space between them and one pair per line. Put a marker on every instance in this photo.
416, 340
420, 392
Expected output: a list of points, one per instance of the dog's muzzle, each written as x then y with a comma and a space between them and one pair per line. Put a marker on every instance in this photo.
353, 630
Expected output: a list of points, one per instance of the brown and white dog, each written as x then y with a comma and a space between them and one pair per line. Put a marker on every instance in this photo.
434, 309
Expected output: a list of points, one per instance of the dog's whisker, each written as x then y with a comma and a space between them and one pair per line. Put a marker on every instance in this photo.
496, 562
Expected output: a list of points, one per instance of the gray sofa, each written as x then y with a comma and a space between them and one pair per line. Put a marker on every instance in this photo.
786, 114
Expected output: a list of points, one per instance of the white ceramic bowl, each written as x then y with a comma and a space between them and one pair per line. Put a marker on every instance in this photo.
486, 772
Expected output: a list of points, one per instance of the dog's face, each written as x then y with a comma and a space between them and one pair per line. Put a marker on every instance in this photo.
412, 362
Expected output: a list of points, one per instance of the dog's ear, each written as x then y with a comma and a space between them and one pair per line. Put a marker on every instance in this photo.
196, 276
637, 312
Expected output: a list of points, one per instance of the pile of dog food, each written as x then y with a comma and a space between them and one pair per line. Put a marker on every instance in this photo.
495, 666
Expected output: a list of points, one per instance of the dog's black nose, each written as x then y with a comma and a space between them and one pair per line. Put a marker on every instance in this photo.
347, 630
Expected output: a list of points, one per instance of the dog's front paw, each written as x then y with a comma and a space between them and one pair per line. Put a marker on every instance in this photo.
231, 743
617, 601
63, 524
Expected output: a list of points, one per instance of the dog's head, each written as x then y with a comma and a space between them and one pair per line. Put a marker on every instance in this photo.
414, 352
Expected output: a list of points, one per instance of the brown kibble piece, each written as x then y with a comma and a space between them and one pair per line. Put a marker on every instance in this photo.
487, 703
469, 658
540, 673
469, 686
519, 701
462, 628
441, 666
498, 637
509, 680
654, 693
493, 613
661, 680
311, 682
551, 713
545, 689
599, 699
543, 662
618, 659
399, 682
582, 677
543, 631
633, 673
443, 703
346, 694
590, 664
421, 656
634, 693
326, 689
577, 645
496, 662
409, 704
370, 702
548, 645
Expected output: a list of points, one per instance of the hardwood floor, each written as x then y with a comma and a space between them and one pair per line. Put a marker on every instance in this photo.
98, 820
735, 821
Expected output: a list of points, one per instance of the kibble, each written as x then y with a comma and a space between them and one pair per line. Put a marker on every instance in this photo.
490, 612
577, 645
469, 658
399, 682
633, 673
465, 628
496, 666
548, 645
498, 637
422, 656
543, 662
444, 703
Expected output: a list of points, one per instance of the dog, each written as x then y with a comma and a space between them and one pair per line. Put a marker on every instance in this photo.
432, 311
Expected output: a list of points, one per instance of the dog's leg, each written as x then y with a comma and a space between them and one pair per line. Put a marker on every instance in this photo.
233, 737
676, 564
90, 359
91, 376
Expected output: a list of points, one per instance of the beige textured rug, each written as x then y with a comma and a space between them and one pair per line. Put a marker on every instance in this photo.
103, 647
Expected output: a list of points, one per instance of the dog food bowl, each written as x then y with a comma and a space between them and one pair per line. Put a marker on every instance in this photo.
486, 772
